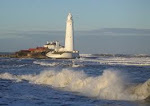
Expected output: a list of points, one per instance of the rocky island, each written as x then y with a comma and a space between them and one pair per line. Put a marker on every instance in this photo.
38, 52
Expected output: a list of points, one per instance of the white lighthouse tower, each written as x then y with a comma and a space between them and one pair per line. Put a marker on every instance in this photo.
69, 38
68, 51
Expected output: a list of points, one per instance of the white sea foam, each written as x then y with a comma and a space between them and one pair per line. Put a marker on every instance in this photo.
45, 63
85, 55
10, 77
76, 65
110, 85
71, 64
134, 61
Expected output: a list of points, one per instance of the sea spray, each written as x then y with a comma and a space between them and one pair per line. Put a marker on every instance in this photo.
141, 90
110, 85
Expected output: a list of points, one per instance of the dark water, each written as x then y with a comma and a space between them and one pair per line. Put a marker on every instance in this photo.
92, 80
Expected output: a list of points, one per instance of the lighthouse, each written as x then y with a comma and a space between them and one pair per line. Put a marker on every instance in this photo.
69, 38
68, 51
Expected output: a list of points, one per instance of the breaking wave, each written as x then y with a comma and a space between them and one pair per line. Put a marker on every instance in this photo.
110, 85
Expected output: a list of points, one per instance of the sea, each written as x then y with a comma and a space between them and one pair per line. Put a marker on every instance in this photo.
91, 80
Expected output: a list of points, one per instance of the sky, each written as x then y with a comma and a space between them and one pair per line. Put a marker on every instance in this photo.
101, 26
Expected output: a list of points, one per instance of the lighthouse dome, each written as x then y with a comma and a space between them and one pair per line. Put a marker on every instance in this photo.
69, 16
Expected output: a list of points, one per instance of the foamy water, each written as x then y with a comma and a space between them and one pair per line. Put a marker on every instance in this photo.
45, 63
133, 61
109, 85
90, 80
71, 64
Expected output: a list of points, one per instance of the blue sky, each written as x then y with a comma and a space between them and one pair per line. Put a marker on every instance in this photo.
30, 23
